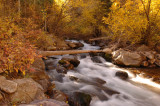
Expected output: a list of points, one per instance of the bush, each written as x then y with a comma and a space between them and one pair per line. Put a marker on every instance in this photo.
16, 53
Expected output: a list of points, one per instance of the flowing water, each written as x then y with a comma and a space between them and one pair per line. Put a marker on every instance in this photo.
130, 94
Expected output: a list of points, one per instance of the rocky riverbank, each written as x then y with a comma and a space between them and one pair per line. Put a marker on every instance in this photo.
38, 87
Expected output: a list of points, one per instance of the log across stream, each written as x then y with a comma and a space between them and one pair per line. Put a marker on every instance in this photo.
130, 94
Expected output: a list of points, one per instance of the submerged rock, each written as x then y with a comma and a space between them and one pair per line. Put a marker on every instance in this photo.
80, 99
73, 78
96, 59
98, 81
61, 69
122, 75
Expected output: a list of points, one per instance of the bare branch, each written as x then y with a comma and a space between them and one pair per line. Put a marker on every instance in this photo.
147, 15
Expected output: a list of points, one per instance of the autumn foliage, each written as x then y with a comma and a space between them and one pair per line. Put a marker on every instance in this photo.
16, 53
136, 21
29, 25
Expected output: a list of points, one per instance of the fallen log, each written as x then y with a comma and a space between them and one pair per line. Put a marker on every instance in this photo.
100, 38
51, 53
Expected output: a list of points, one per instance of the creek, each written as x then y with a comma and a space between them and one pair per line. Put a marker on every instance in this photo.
136, 91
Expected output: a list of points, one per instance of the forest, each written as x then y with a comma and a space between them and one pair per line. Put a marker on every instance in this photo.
30, 26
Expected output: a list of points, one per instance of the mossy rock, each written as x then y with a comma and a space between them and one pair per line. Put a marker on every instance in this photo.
108, 57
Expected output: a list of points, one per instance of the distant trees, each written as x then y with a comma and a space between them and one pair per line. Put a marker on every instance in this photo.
137, 21
78, 17
27, 25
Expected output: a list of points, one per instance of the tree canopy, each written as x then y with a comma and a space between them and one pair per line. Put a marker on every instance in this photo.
135, 21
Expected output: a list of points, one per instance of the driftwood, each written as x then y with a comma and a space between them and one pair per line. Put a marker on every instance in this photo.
51, 53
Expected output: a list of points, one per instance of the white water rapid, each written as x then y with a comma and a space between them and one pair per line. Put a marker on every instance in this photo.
130, 94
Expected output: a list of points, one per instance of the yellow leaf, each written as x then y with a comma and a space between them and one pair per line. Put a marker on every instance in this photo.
23, 72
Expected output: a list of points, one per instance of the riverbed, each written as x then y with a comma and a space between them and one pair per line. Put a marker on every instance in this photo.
135, 91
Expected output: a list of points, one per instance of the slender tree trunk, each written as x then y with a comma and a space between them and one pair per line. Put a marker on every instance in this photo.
45, 24
19, 8
147, 33
4, 9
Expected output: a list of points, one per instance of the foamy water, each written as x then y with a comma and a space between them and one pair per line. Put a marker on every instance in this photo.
129, 94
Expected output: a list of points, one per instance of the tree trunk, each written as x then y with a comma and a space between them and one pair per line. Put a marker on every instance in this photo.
19, 8
147, 36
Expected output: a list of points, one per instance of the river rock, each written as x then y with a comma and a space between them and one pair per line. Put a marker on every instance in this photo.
42, 78
75, 45
157, 62
98, 81
51, 48
38, 64
152, 66
149, 55
108, 57
152, 61
60, 96
50, 64
73, 78
127, 58
157, 47
122, 75
66, 64
61, 69
7, 86
1, 97
107, 50
27, 91
157, 56
46, 102
72, 60
80, 99
108, 90
145, 63
96, 59
143, 48
83, 55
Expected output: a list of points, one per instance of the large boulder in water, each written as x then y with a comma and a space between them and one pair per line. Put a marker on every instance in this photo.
127, 58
